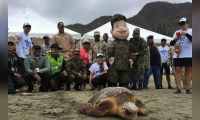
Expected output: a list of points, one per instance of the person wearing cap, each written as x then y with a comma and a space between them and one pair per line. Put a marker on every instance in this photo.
97, 46
98, 73
84, 51
138, 50
105, 37
76, 70
37, 68
46, 46
155, 64
65, 41
183, 54
118, 55
163, 49
58, 69
15, 70
23, 41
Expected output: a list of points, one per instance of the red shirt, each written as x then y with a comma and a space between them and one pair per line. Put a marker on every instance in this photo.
84, 56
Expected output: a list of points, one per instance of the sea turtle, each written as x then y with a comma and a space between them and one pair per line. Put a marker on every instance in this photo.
114, 101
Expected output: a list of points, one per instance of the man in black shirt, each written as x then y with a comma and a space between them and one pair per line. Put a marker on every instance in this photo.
155, 64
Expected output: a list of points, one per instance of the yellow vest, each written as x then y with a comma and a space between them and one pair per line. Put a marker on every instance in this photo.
55, 65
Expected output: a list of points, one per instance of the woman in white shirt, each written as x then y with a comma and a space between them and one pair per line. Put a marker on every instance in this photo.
98, 73
183, 56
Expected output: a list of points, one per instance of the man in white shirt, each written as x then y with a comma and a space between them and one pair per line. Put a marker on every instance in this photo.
46, 46
23, 42
163, 49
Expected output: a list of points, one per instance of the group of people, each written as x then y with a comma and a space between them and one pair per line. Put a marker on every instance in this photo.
57, 64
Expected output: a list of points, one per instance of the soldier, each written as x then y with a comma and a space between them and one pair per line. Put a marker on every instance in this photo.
97, 46
15, 69
146, 63
76, 70
163, 49
37, 68
119, 53
65, 41
58, 69
138, 50
46, 46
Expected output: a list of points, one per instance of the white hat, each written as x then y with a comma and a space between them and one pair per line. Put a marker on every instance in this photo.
26, 24
85, 40
99, 54
183, 20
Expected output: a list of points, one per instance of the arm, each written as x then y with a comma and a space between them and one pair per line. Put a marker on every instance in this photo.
46, 65
69, 68
72, 41
16, 39
53, 40
90, 79
20, 65
90, 55
84, 68
27, 65
188, 36
173, 42
63, 66
144, 50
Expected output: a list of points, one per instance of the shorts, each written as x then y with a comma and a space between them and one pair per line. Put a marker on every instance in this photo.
182, 62
167, 69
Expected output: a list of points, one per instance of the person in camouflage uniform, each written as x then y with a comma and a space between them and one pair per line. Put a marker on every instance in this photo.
119, 53
138, 50
97, 46
76, 70
170, 58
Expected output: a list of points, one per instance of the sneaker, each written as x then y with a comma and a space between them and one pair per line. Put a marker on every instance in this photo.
177, 91
145, 87
170, 87
159, 87
188, 92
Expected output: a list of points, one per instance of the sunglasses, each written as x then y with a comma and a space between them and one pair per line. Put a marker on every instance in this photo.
86, 43
182, 23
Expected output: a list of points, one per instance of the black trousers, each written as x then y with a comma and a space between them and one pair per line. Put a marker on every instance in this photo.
46, 77
102, 80
15, 83
59, 80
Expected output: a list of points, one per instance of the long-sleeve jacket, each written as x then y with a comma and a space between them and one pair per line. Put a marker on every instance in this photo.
75, 66
31, 63
120, 50
15, 63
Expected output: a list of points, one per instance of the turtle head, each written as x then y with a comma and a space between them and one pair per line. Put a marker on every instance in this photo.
129, 111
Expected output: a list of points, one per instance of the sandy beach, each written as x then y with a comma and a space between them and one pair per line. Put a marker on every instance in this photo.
163, 104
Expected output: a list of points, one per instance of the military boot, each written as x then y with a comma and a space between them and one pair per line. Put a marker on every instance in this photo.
140, 86
68, 87
76, 87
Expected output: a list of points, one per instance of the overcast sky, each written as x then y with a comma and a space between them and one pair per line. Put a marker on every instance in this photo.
79, 11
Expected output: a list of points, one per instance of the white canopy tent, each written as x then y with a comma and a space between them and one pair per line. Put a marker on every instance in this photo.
39, 26
143, 33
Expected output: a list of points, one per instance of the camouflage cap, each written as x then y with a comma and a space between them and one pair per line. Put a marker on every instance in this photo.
117, 17
61, 24
10, 42
136, 31
36, 46
96, 33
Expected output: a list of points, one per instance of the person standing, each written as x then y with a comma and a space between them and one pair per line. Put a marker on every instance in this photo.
97, 46
182, 42
164, 54
65, 41
15, 69
138, 50
84, 51
155, 64
23, 42
37, 68
46, 46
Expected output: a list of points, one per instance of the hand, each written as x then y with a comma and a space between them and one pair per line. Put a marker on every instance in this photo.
176, 39
183, 33
167, 64
34, 72
71, 54
80, 75
17, 75
64, 73
133, 54
111, 60
38, 78
130, 63
84, 76
16, 41
94, 76
91, 85
52, 83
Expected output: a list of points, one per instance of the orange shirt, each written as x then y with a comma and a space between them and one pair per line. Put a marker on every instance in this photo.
84, 56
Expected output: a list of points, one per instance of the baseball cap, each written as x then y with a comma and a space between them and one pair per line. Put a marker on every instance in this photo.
36, 46
85, 40
10, 42
163, 39
77, 51
61, 24
150, 37
46, 36
136, 31
183, 20
99, 54
96, 33
26, 24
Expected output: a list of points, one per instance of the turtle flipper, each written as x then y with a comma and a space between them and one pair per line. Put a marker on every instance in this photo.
142, 109
89, 109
